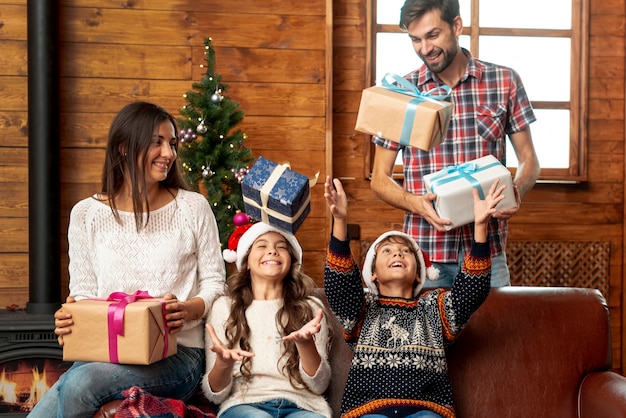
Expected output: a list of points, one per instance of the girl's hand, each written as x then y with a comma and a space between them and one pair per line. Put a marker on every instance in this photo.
225, 355
336, 198
308, 330
63, 321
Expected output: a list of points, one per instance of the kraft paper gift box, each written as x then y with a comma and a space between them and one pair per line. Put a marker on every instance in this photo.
453, 186
276, 195
115, 331
403, 114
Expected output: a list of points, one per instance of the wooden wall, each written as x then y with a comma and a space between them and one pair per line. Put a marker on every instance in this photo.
278, 58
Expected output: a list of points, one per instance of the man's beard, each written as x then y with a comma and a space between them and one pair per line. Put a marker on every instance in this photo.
448, 57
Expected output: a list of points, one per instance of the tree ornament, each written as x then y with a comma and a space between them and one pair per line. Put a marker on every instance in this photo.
187, 135
216, 98
240, 219
201, 128
207, 173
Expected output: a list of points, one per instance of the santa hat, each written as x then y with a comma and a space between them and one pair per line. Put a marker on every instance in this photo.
244, 236
427, 270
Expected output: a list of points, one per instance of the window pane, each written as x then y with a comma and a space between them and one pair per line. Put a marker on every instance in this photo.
388, 11
531, 57
551, 139
465, 11
530, 14
395, 54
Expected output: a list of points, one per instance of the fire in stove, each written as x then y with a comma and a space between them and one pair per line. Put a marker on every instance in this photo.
23, 382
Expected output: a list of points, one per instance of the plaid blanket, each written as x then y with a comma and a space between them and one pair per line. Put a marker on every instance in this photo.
138, 403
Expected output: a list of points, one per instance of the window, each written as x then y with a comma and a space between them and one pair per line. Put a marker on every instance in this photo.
547, 48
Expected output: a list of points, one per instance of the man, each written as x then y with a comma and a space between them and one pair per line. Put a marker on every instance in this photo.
489, 103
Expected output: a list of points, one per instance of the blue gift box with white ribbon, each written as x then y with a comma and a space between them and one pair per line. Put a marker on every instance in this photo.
401, 113
453, 186
276, 195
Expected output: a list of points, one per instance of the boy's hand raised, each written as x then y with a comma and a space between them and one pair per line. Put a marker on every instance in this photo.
484, 209
338, 204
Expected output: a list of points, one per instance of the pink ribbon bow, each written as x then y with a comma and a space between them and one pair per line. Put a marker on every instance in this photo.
115, 319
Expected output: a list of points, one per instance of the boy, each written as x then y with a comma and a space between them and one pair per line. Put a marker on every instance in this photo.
398, 336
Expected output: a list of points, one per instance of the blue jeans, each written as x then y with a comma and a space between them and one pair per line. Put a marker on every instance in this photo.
500, 275
85, 387
420, 414
277, 408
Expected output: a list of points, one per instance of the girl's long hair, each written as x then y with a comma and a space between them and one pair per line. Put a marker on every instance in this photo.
130, 136
295, 312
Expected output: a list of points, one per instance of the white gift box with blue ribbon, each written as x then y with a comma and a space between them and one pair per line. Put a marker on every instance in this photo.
276, 195
399, 112
453, 186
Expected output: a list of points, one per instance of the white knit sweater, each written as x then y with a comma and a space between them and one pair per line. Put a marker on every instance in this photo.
178, 252
267, 382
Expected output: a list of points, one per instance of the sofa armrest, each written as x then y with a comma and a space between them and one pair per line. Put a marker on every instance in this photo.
602, 395
108, 410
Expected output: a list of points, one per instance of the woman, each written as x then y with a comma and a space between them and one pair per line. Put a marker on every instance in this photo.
143, 231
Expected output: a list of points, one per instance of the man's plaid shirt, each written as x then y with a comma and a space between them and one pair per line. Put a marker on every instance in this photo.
489, 103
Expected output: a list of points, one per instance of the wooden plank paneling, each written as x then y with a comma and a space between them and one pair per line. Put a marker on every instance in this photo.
218, 6
179, 27
264, 65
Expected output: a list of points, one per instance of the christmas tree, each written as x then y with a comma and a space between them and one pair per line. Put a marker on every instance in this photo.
212, 153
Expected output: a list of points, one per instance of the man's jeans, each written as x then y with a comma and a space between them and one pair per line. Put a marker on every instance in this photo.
500, 275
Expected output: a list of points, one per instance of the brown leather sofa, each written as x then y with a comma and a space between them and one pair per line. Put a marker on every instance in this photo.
527, 352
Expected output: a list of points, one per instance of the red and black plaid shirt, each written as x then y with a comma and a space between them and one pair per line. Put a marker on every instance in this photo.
490, 102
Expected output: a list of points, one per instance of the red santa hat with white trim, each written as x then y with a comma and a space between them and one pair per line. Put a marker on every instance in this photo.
427, 270
243, 237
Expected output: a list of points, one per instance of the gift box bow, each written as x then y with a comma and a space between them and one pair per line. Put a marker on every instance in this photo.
115, 319
464, 171
403, 86
265, 195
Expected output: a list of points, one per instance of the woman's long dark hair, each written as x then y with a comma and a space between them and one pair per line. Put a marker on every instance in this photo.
295, 312
129, 139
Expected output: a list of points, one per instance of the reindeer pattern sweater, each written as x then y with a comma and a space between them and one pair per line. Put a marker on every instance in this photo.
399, 364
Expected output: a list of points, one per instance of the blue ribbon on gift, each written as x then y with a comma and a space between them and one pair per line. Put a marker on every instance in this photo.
464, 171
403, 86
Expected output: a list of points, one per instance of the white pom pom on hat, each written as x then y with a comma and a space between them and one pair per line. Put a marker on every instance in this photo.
427, 270
238, 249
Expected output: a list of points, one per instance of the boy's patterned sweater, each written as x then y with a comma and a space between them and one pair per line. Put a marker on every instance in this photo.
399, 364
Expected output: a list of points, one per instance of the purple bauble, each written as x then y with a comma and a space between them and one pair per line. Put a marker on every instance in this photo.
241, 219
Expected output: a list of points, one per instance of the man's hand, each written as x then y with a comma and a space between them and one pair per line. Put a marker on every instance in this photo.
427, 211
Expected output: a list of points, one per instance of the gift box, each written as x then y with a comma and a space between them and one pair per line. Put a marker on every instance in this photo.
403, 114
125, 329
453, 186
276, 195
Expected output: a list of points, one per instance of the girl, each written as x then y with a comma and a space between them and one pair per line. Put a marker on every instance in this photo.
267, 340
143, 231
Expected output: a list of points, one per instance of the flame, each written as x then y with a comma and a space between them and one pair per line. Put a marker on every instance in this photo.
7, 389
39, 386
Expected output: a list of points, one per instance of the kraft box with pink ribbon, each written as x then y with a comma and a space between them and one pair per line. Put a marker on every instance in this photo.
399, 112
277, 195
124, 329
453, 186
